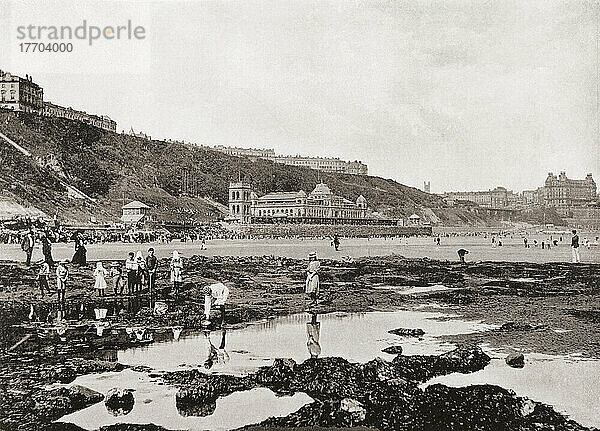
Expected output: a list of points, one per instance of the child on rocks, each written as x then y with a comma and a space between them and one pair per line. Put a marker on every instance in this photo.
99, 274
141, 271
176, 271
43, 275
131, 266
312, 283
62, 274
116, 274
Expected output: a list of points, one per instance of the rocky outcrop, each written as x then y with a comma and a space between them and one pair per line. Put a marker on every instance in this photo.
407, 332
393, 350
421, 368
346, 394
520, 326
379, 394
62, 401
515, 360
198, 392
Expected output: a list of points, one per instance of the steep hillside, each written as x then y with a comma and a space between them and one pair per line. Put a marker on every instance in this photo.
113, 168
171, 177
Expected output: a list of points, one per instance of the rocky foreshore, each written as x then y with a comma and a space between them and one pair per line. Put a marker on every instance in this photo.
377, 394
527, 302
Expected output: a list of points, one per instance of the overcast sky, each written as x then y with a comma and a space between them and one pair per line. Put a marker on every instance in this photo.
468, 95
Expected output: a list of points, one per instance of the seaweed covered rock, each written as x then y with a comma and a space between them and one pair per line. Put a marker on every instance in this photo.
279, 376
379, 370
515, 360
354, 410
63, 401
407, 332
462, 360
381, 395
199, 392
466, 359
393, 350
520, 326
328, 377
438, 407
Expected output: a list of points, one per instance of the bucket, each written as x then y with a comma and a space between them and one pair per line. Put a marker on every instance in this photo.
100, 313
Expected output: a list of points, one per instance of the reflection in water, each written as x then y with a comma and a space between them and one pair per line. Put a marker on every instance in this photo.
356, 337
159, 407
313, 332
78, 310
119, 402
108, 355
213, 354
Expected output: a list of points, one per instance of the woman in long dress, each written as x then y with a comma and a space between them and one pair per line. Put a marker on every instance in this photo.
79, 258
176, 271
312, 278
47, 249
99, 274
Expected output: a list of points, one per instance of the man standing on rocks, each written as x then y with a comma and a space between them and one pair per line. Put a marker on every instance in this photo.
27, 246
131, 267
461, 255
219, 292
575, 247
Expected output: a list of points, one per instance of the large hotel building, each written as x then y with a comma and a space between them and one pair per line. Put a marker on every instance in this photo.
497, 198
22, 94
558, 192
325, 164
562, 192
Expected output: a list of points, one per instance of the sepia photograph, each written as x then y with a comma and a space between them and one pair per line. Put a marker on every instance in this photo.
268, 215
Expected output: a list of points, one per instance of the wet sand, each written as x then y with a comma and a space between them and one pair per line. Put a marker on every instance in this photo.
480, 249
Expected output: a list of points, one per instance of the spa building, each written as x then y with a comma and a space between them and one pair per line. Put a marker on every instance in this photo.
318, 206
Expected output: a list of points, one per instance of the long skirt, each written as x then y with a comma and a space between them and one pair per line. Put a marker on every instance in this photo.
80, 258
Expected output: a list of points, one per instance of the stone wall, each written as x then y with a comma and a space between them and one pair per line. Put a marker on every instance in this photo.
311, 230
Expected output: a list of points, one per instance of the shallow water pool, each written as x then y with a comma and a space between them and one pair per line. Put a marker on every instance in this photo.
358, 337
571, 384
155, 404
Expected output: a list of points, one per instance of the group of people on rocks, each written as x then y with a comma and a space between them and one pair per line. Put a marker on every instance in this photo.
141, 273
62, 274
138, 273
